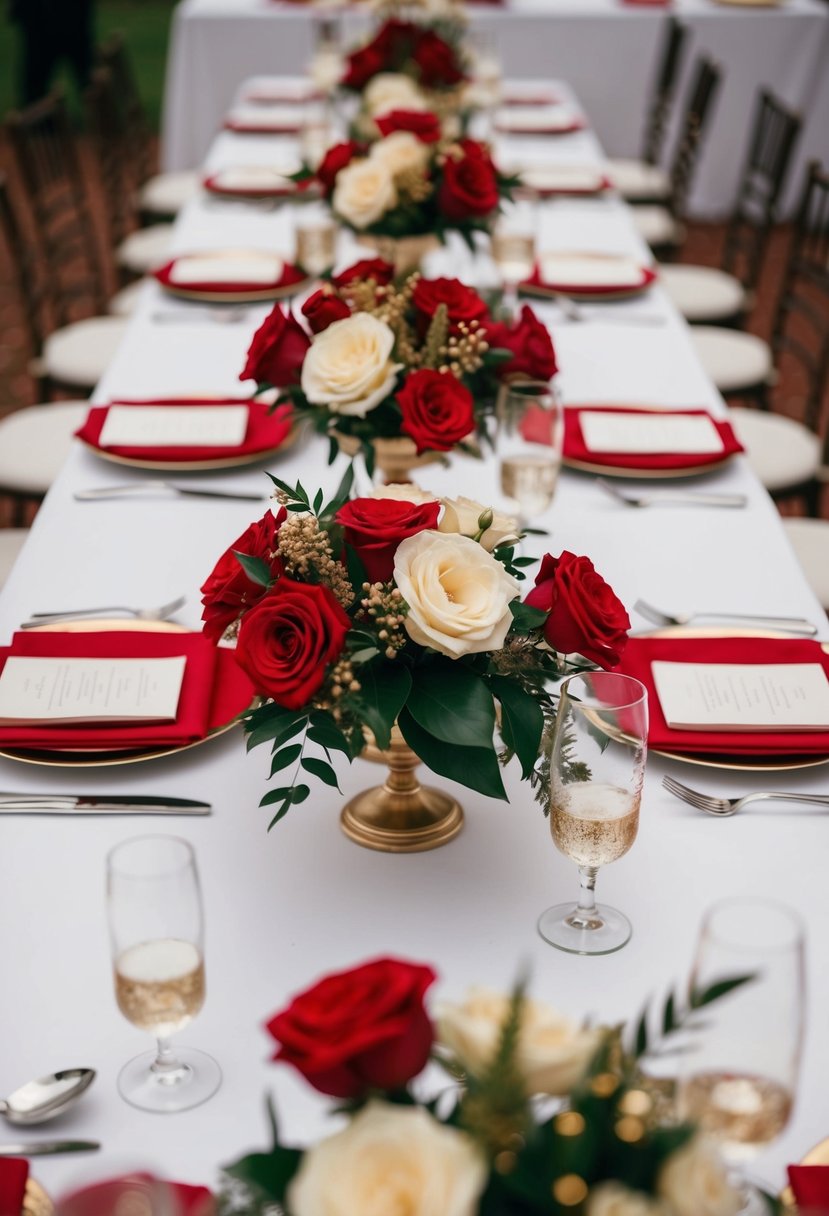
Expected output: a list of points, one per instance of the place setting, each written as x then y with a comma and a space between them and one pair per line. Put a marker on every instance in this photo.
231, 276
592, 277
521, 119
261, 184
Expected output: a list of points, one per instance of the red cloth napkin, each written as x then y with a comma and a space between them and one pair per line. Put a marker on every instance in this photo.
288, 126
639, 653
14, 1172
214, 689
576, 449
293, 188
290, 274
810, 1184
537, 283
103, 1198
265, 431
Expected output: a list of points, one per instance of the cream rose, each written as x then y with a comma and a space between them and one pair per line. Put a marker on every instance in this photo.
462, 515
393, 91
390, 1159
327, 69
694, 1182
364, 191
553, 1051
400, 152
348, 365
458, 594
404, 491
614, 1199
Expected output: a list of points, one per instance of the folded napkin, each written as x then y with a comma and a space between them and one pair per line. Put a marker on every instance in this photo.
106, 1198
170, 278
256, 181
564, 179
516, 120
649, 3
213, 692
640, 653
576, 449
810, 1184
276, 119
14, 1172
265, 431
585, 274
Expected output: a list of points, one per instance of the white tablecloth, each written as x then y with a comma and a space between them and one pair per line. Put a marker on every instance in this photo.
605, 48
282, 909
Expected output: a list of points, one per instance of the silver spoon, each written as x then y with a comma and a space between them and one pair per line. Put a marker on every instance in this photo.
37, 1101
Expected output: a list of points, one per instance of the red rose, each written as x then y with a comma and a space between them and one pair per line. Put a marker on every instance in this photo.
438, 411
374, 527
532, 349
359, 1030
288, 640
462, 303
469, 186
394, 41
437, 61
363, 64
228, 592
586, 616
277, 352
369, 268
336, 158
323, 308
424, 124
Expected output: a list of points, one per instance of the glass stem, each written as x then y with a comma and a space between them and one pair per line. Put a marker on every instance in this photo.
509, 299
584, 915
166, 1069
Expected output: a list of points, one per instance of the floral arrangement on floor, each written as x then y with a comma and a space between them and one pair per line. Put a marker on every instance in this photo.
403, 609
380, 359
601, 1143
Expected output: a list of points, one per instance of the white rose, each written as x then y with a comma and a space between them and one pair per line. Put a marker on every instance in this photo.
390, 1159
348, 366
553, 1051
462, 515
327, 69
399, 152
393, 91
363, 192
458, 594
614, 1199
404, 491
694, 1182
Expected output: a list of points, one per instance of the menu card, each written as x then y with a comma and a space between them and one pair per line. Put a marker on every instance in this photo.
743, 696
170, 426
591, 270
259, 268
34, 689
649, 433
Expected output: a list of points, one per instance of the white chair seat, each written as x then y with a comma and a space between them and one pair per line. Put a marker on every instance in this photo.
810, 540
79, 354
11, 542
702, 293
657, 226
732, 359
146, 249
637, 181
124, 301
166, 193
781, 452
34, 443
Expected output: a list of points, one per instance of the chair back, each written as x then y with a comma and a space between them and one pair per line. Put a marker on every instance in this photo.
110, 147
669, 61
137, 136
703, 92
24, 263
774, 134
44, 149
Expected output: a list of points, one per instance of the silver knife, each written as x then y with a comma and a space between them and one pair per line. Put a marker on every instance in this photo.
102, 804
139, 489
41, 1148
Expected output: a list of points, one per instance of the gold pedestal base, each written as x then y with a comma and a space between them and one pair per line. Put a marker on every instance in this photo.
401, 816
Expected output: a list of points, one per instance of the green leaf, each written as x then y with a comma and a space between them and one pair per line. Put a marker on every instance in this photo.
333, 449
522, 721
281, 813
256, 568
343, 489
267, 1174
706, 996
321, 769
384, 688
669, 1015
641, 1041
330, 739
298, 794
356, 570
280, 729
318, 501
474, 767
452, 703
527, 618
285, 758
273, 796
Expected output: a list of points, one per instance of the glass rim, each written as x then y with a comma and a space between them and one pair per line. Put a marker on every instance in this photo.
528, 387
189, 858
593, 701
796, 924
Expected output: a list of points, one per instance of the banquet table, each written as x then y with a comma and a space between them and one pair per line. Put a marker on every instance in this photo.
606, 48
283, 908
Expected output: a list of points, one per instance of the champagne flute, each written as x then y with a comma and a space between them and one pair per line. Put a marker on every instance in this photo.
740, 1067
156, 929
597, 765
316, 237
529, 438
513, 246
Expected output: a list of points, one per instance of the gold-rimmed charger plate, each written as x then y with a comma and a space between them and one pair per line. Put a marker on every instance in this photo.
75, 758
590, 294
818, 1155
217, 464
35, 1201
736, 764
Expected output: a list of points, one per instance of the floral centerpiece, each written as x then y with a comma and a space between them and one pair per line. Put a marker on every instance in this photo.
402, 611
426, 53
411, 368
600, 1142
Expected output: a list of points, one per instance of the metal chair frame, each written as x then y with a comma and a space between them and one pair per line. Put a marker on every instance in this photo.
674, 44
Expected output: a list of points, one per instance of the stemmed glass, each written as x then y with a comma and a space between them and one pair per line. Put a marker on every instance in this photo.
513, 246
156, 929
316, 237
740, 1065
529, 438
597, 766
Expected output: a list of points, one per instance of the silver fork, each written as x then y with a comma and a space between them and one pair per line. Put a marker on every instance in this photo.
786, 624
575, 312
671, 496
723, 807
226, 315
161, 613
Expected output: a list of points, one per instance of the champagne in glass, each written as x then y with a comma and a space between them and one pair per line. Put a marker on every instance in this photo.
513, 246
529, 443
597, 766
157, 937
316, 238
